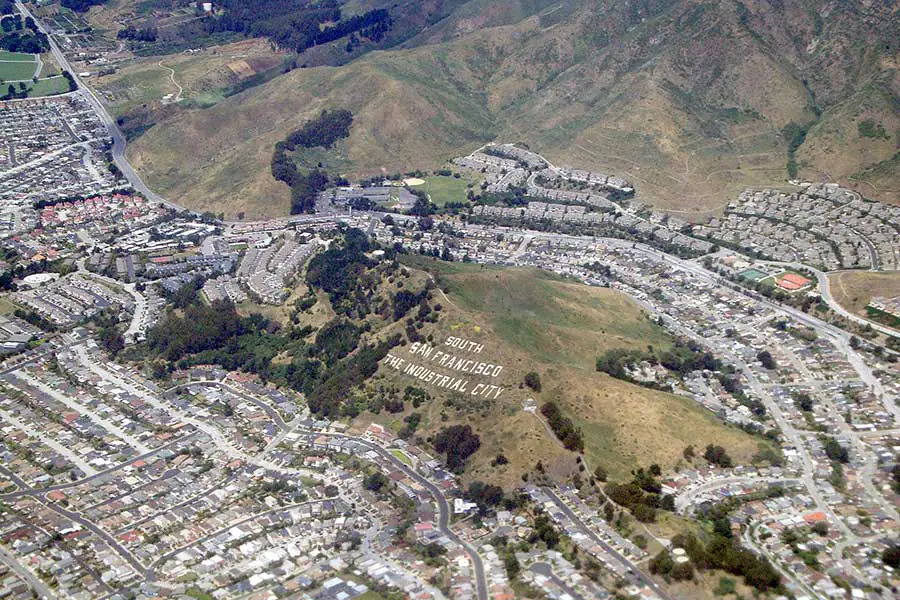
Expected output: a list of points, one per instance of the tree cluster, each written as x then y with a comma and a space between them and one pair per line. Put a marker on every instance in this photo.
727, 554
81, 5
296, 24
144, 34
765, 359
340, 270
533, 380
323, 131
544, 532
563, 427
329, 396
717, 455
485, 495
336, 339
27, 42
834, 450
458, 443
642, 495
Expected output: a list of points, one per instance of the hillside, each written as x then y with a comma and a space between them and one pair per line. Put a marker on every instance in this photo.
688, 99
855, 289
529, 320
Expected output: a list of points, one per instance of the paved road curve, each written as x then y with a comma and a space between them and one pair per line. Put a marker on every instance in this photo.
443, 510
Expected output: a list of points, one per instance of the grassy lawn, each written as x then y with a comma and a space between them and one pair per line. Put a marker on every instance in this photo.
48, 87
16, 56
446, 189
402, 456
50, 67
15, 70
554, 320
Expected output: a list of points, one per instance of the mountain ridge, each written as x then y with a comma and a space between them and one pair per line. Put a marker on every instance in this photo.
688, 99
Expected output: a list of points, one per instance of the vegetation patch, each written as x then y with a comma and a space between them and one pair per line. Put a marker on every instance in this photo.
323, 131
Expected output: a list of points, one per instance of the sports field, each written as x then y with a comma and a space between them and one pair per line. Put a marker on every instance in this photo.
753, 275
443, 189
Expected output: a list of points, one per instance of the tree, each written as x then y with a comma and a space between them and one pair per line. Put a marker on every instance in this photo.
834, 450
766, 360
662, 563
512, 565
374, 482
804, 401
682, 571
533, 380
644, 513
484, 495
891, 555
820, 528
600, 473
459, 442
563, 427
717, 456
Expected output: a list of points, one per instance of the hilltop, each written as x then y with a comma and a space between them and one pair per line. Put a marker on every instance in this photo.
692, 101
533, 321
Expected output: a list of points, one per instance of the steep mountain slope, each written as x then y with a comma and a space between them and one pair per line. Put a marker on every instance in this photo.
687, 98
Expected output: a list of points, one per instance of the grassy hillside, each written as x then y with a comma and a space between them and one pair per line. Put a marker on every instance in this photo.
855, 289
533, 321
686, 98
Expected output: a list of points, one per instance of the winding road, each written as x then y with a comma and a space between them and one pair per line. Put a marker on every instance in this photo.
119, 142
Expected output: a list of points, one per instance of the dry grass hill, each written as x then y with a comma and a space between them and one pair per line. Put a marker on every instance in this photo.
687, 98
533, 321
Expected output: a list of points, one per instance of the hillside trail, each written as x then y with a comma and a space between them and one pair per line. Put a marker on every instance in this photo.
172, 77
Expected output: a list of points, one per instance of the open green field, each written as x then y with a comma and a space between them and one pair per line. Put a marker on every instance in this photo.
442, 189
555, 320
48, 87
15, 56
16, 70
401, 455
530, 320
